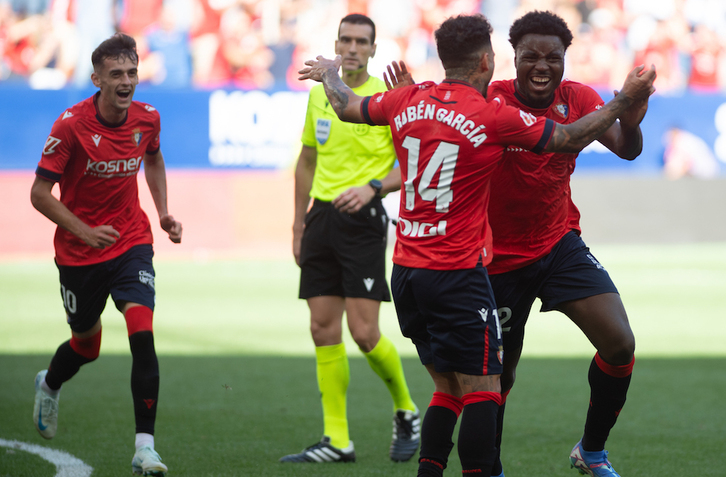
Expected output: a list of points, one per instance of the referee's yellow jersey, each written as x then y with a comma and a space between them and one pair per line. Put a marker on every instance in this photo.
348, 154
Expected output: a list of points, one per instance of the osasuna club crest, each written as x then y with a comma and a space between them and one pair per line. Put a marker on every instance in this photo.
562, 109
136, 136
322, 130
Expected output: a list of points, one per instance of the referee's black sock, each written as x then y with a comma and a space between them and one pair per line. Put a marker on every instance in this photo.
144, 380
608, 390
64, 365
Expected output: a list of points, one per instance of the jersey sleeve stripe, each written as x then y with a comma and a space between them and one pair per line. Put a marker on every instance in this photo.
364, 111
49, 175
153, 151
549, 129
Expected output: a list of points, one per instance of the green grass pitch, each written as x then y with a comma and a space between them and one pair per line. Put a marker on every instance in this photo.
238, 386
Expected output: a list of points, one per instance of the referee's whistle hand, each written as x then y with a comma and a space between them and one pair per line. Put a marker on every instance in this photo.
352, 200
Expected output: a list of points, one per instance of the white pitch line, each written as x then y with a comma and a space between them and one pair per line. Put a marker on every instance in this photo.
66, 465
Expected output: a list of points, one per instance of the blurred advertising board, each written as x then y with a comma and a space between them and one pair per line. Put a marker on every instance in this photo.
230, 129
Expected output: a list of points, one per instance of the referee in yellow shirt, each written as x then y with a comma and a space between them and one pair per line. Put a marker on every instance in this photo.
340, 246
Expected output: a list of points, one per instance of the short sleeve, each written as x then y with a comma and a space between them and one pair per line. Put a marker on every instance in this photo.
589, 100
519, 128
308, 135
371, 109
155, 143
57, 150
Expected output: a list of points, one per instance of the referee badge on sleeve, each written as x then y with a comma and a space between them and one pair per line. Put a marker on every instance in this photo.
322, 130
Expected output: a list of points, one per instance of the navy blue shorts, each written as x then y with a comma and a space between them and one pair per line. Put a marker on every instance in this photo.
127, 278
451, 318
344, 254
568, 272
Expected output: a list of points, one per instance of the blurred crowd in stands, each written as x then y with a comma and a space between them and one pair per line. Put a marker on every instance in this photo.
260, 44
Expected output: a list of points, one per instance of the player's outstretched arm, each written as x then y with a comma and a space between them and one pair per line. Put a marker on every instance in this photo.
625, 138
45, 202
344, 101
155, 172
575, 136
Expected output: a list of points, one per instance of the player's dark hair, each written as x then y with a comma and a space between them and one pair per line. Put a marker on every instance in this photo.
359, 19
460, 40
118, 46
540, 23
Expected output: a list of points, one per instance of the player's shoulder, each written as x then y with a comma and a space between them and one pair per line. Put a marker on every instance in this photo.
65, 125
406, 94
426, 86
70, 116
498, 103
573, 88
144, 110
574, 93
500, 87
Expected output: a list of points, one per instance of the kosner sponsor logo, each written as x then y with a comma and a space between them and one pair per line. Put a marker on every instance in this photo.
116, 168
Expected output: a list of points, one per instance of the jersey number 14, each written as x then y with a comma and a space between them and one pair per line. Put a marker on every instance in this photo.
442, 161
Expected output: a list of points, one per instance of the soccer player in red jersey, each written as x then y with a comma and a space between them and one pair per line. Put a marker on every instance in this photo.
449, 140
538, 252
103, 242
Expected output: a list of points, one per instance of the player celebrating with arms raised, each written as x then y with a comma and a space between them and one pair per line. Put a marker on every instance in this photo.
538, 251
449, 140
103, 242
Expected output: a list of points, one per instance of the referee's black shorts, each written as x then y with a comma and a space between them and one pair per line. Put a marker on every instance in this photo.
344, 254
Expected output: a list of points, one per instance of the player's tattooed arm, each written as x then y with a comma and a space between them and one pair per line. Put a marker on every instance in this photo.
625, 138
575, 136
336, 91
343, 100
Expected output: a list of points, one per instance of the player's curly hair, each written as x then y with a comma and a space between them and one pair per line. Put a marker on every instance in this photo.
359, 19
118, 46
460, 40
540, 23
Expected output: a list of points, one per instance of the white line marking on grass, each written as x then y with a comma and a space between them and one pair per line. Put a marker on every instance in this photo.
66, 464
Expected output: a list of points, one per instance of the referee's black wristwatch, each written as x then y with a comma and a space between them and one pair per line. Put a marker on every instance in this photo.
377, 186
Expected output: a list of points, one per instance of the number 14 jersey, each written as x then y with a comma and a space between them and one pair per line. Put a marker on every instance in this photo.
449, 140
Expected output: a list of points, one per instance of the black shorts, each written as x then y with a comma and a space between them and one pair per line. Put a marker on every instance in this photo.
343, 254
568, 272
451, 318
127, 278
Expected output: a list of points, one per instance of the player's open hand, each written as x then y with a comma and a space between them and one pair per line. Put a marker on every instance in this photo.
318, 67
397, 77
102, 236
639, 83
352, 200
172, 227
